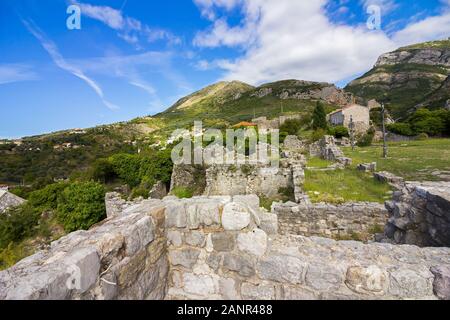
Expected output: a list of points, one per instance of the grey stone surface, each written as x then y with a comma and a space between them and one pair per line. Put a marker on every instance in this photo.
138, 255
223, 241
9, 200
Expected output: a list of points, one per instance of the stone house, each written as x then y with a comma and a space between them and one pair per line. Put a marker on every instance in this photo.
359, 114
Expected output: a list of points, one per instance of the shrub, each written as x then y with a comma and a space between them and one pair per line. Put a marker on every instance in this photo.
103, 171
429, 122
403, 129
127, 167
156, 167
319, 117
47, 198
291, 126
81, 205
182, 192
339, 132
17, 224
422, 136
367, 139
317, 135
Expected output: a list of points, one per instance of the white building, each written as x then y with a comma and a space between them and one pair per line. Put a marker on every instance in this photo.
359, 114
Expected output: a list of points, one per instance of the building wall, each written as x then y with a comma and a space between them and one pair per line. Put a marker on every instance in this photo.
361, 117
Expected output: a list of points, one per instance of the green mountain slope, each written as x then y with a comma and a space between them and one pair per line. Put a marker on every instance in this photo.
405, 77
221, 105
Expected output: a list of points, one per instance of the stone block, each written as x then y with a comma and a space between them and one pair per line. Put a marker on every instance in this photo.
253, 242
241, 264
257, 292
235, 217
184, 257
223, 241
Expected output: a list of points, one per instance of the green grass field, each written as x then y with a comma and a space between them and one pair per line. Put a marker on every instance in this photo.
414, 160
340, 186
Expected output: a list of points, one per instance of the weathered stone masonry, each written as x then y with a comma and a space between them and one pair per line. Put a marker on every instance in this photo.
223, 248
420, 215
325, 220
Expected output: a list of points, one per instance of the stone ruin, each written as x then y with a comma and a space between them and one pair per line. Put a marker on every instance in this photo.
327, 149
420, 215
220, 248
218, 179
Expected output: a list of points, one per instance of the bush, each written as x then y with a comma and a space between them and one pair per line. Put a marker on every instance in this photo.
291, 126
339, 132
318, 134
127, 167
47, 198
103, 171
403, 129
367, 139
156, 167
17, 224
182, 192
81, 205
422, 136
429, 122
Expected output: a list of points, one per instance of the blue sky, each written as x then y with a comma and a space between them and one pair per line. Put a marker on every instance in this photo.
133, 58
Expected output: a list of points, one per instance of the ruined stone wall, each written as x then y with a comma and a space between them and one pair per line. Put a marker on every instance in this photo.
223, 251
122, 258
221, 248
420, 215
336, 221
327, 149
247, 179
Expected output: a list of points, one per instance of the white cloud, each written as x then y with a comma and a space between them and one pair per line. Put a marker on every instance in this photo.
208, 7
129, 29
386, 6
10, 73
133, 70
295, 39
59, 60
432, 28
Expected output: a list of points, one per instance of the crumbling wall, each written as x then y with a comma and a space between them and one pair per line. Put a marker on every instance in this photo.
327, 149
353, 219
220, 248
248, 179
420, 214
122, 258
224, 252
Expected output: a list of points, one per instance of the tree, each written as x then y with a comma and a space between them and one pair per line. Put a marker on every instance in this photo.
81, 205
127, 167
319, 117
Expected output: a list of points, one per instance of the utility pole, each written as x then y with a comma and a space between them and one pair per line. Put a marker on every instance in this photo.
385, 148
352, 132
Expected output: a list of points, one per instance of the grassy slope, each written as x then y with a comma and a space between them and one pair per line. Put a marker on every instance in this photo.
415, 160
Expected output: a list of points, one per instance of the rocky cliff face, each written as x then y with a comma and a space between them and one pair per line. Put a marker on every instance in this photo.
304, 90
406, 77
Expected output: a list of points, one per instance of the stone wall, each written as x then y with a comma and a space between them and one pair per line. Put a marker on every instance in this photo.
359, 219
247, 179
420, 215
220, 248
327, 149
122, 258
